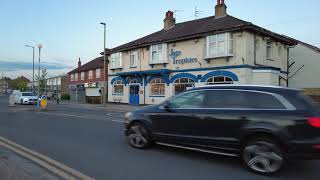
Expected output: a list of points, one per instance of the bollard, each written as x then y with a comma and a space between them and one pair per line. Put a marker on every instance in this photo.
11, 101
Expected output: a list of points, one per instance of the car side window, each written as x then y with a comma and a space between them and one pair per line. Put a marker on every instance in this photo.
188, 100
235, 99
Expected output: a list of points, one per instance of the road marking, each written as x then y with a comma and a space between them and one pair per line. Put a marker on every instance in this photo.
57, 114
53, 166
119, 121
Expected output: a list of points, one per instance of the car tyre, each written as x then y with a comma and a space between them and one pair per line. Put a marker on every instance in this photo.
139, 136
263, 156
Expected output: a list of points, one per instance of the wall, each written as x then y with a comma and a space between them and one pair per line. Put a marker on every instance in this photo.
308, 76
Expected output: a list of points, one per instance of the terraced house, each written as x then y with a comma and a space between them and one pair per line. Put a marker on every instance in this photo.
220, 49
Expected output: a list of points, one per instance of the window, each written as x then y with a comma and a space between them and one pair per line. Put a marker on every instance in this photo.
158, 54
134, 57
182, 84
269, 50
235, 99
219, 45
98, 73
90, 74
219, 80
76, 77
82, 76
116, 60
118, 87
188, 100
157, 87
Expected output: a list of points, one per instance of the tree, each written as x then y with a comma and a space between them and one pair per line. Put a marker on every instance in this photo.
43, 81
21, 85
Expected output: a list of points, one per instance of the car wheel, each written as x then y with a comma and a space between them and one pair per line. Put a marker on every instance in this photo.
139, 136
263, 156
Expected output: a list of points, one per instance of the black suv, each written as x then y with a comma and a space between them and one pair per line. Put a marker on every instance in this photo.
264, 126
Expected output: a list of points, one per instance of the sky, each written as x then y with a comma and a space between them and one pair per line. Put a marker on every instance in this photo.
69, 29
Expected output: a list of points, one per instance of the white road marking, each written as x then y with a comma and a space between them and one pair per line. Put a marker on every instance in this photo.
119, 121
57, 114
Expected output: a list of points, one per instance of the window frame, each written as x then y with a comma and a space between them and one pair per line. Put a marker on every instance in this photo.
76, 77
90, 74
82, 76
116, 60
268, 49
221, 82
118, 83
178, 82
98, 73
162, 83
135, 55
163, 58
228, 42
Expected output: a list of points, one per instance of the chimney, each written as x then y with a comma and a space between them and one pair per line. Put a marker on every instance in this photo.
221, 9
169, 21
79, 63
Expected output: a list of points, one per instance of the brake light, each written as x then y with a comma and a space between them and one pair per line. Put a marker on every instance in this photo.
314, 122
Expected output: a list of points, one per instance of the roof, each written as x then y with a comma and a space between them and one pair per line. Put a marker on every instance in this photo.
310, 46
94, 64
199, 28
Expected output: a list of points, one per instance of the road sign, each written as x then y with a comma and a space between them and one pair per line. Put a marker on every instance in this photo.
44, 101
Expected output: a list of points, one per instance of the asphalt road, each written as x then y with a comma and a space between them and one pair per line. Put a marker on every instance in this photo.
91, 140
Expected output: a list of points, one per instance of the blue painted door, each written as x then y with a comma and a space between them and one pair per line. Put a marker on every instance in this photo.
134, 95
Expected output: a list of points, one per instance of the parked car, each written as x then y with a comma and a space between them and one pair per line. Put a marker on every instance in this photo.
25, 98
264, 126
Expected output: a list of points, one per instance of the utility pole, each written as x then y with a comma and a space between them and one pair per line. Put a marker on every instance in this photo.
32, 65
38, 102
104, 63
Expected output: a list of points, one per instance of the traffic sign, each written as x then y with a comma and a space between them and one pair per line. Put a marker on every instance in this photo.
44, 101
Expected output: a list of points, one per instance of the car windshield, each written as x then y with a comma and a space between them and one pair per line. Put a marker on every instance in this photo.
27, 94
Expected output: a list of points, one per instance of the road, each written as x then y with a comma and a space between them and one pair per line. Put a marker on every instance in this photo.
91, 140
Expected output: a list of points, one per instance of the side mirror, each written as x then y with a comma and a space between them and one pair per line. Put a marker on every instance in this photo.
166, 107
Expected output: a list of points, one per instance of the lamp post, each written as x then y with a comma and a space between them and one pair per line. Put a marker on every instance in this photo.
38, 102
104, 64
32, 65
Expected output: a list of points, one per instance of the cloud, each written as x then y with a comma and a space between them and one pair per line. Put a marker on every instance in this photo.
15, 65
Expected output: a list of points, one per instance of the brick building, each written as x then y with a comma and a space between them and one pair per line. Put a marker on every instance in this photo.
86, 81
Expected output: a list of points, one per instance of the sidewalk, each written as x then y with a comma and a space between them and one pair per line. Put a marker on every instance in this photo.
15, 167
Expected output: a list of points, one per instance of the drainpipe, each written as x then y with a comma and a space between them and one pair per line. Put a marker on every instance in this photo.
288, 66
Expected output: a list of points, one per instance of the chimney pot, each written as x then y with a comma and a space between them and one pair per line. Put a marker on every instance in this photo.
79, 63
220, 9
169, 20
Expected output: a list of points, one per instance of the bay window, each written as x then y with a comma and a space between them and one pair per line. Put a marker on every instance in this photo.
158, 54
76, 77
116, 60
219, 45
82, 76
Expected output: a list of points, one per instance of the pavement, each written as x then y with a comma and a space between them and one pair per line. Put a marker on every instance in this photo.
90, 139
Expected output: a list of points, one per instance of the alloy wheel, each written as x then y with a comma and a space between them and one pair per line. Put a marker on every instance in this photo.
263, 157
138, 136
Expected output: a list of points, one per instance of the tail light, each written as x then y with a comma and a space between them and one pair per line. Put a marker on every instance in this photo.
314, 122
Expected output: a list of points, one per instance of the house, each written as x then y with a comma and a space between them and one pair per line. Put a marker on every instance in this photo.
4, 85
220, 49
57, 85
86, 82
304, 63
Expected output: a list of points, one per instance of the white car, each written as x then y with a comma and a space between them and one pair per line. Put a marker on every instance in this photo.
25, 98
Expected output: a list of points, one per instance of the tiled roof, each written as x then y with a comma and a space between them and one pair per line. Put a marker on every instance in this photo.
94, 64
200, 28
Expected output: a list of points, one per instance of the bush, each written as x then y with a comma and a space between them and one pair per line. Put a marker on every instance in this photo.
65, 96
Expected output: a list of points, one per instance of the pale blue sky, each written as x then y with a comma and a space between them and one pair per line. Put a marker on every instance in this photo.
69, 29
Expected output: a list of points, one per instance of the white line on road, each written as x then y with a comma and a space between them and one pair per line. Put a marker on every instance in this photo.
119, 121
57, 114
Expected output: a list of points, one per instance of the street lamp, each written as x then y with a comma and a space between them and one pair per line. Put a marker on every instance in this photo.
32, 65
38, 102
104, 63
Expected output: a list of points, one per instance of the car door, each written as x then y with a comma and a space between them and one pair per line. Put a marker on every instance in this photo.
176, 119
